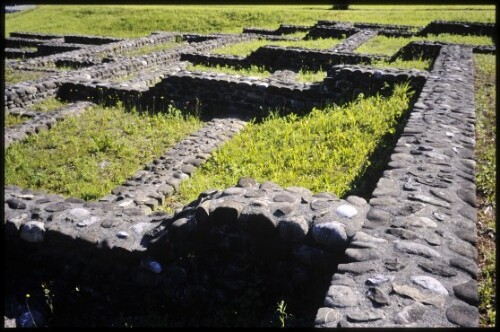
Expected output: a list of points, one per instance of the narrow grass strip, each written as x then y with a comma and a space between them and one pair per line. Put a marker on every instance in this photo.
325, 150
485, 96
247, 47
13, 76
421, 64
384, 45
88, 156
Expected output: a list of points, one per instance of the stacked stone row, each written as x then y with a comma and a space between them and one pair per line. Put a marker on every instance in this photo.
354, 41
148, 188
25, 94
40, 121
293, 222
422, 271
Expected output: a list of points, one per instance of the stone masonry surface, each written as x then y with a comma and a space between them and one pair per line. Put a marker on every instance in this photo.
406, 257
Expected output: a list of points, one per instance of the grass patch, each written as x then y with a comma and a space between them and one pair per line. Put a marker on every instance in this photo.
311, 76
384, 45
325, 150
13, 120
245, 48
255, 71
89, 155
141, 20
422, 64
13, 76
47, 105
146, 49
485, 87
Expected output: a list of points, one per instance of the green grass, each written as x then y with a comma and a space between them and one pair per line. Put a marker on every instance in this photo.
325, 150
151, 48
255, 71
140, 20
66, 159
47, 105
389, 45
421, 64
247, 47
13, 76
485, 84
13, 120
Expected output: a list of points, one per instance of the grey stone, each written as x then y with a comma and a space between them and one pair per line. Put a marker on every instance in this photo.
422, 222
392, 264
428, 199
443, 194
15, 203
364, 315
355, 200
430, 284
464, 249
110, 222
416, 249
467, 235
467, 195
270, 186
357, 268
246, 182
330, 234
463, 316
417, 295
79, 213
233, 191
317, 205
259, 222
293, 229
383, 201
347, 211
57, 207
468, 212
437, 268
378, 296
410, 314
402, 233
433, 239
465, 264
467, 292
378, 215
33, 231
341, 279
378, 279
284, 209
284, 198
340, 296
361, 255
165, 189
327, 315
227, 212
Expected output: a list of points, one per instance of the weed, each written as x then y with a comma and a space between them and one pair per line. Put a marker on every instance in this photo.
282, 314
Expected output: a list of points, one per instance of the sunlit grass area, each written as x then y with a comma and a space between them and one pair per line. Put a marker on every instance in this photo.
87, 156
247, 47
389, 45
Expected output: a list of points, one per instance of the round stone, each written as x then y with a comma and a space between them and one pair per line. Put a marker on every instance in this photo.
378, 296
464, 316
430, 283
15, 203
79, 213
340, 296
467, 292
347, 211
416, 249
330, 234
33, 231
293, 229
437, 268
410, 314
